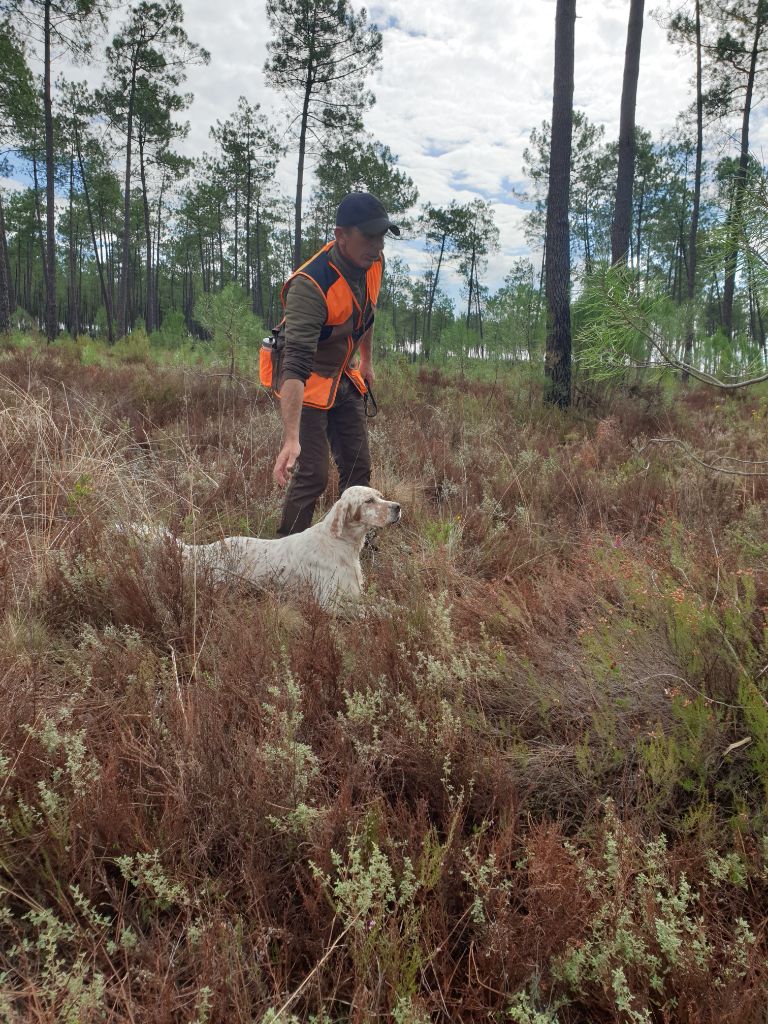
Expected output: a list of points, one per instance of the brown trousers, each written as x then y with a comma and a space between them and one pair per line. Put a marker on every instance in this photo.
342, 428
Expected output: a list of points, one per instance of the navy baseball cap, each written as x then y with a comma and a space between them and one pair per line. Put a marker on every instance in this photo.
363, 211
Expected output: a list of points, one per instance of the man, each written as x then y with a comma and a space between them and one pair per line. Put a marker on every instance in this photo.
329, 303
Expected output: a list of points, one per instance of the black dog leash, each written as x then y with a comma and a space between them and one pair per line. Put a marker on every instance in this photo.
369, 400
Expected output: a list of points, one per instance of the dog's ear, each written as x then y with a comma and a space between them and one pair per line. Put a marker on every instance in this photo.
337, 517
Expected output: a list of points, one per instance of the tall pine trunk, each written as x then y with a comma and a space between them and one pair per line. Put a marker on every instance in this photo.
157, 319
125, 266
622, 214
258, 294
479, 311
248, 219
557, 365
297, 260
737, 206
6, 297
693, 237
220, 237
105, 293
471, 285
39, 309
431, 299
49, 269
149, 307
237, 233
74, 324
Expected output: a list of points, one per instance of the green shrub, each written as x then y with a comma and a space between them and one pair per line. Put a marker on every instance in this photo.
133, 348
173, 332
227, 316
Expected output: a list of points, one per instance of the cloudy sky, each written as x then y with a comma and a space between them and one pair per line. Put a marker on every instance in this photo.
461, 86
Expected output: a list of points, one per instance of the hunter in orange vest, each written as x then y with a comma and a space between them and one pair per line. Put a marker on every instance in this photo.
330, 305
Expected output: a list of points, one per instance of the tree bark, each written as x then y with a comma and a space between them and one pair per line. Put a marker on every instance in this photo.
237, 233
479, 311
639, 227
732, 252
694, 232
122, 301
74, 325
5, 277
622, 214
13, 279
258, 293
40, 235
471, 284
158, 236
297, 260
431, 298
149, 307
97, 256
248, 218
557, 365
51, 317
220, 236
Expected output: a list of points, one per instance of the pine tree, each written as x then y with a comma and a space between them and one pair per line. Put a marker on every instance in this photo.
249, 152
558, 257
622, 216
70, 26
146, 63
319, 56
17, 106
739, 72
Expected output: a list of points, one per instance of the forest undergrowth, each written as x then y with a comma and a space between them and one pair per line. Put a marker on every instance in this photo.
529, 783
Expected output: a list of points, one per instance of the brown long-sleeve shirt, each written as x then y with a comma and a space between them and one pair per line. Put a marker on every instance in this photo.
305, 315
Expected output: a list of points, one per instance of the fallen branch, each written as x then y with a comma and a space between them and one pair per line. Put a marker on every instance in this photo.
708, 465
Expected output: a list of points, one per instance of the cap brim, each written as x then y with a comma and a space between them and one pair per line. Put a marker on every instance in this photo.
378, 226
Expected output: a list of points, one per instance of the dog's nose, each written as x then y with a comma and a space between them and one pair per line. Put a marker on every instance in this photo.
397, 511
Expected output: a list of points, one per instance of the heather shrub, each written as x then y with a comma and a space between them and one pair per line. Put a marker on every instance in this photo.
653, 942
527, 782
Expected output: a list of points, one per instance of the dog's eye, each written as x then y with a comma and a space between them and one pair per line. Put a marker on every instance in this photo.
370, 501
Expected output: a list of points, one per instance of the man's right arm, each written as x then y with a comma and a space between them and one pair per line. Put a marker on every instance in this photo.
291, 400
305, 314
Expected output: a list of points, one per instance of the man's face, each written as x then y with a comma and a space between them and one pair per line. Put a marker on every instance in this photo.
357, 247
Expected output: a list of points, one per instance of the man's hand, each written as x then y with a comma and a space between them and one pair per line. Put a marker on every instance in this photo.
285, 462
366, 356
366, 371
291, 400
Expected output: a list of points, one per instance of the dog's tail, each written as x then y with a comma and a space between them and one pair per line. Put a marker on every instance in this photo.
149, 531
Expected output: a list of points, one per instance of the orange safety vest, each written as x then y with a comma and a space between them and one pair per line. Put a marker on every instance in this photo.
345, 324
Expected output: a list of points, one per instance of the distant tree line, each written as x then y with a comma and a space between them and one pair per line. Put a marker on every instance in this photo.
117, 231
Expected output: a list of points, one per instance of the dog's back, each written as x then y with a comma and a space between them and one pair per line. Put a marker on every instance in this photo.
248, 558
310, 559
325, 558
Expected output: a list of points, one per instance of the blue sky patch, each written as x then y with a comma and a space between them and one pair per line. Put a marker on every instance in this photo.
432, 148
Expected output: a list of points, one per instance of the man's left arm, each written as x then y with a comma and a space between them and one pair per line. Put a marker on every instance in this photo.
366, 348
366, 356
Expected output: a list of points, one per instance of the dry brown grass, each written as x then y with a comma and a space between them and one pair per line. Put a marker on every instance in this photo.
214, 805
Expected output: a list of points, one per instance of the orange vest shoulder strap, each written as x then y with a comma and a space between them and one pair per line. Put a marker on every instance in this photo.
317, 269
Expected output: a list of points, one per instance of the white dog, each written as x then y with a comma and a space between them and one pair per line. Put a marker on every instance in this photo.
326, 557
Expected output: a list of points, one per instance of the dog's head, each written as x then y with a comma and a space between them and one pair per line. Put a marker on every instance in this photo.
359, 509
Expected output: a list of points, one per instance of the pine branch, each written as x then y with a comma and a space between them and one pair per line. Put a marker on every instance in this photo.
677, 442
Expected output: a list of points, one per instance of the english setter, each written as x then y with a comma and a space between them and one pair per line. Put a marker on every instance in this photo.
325, 558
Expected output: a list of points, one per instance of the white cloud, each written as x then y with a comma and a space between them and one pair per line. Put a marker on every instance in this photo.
461, 87
11, 185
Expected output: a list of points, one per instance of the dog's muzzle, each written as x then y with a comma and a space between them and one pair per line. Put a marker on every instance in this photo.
395, 514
